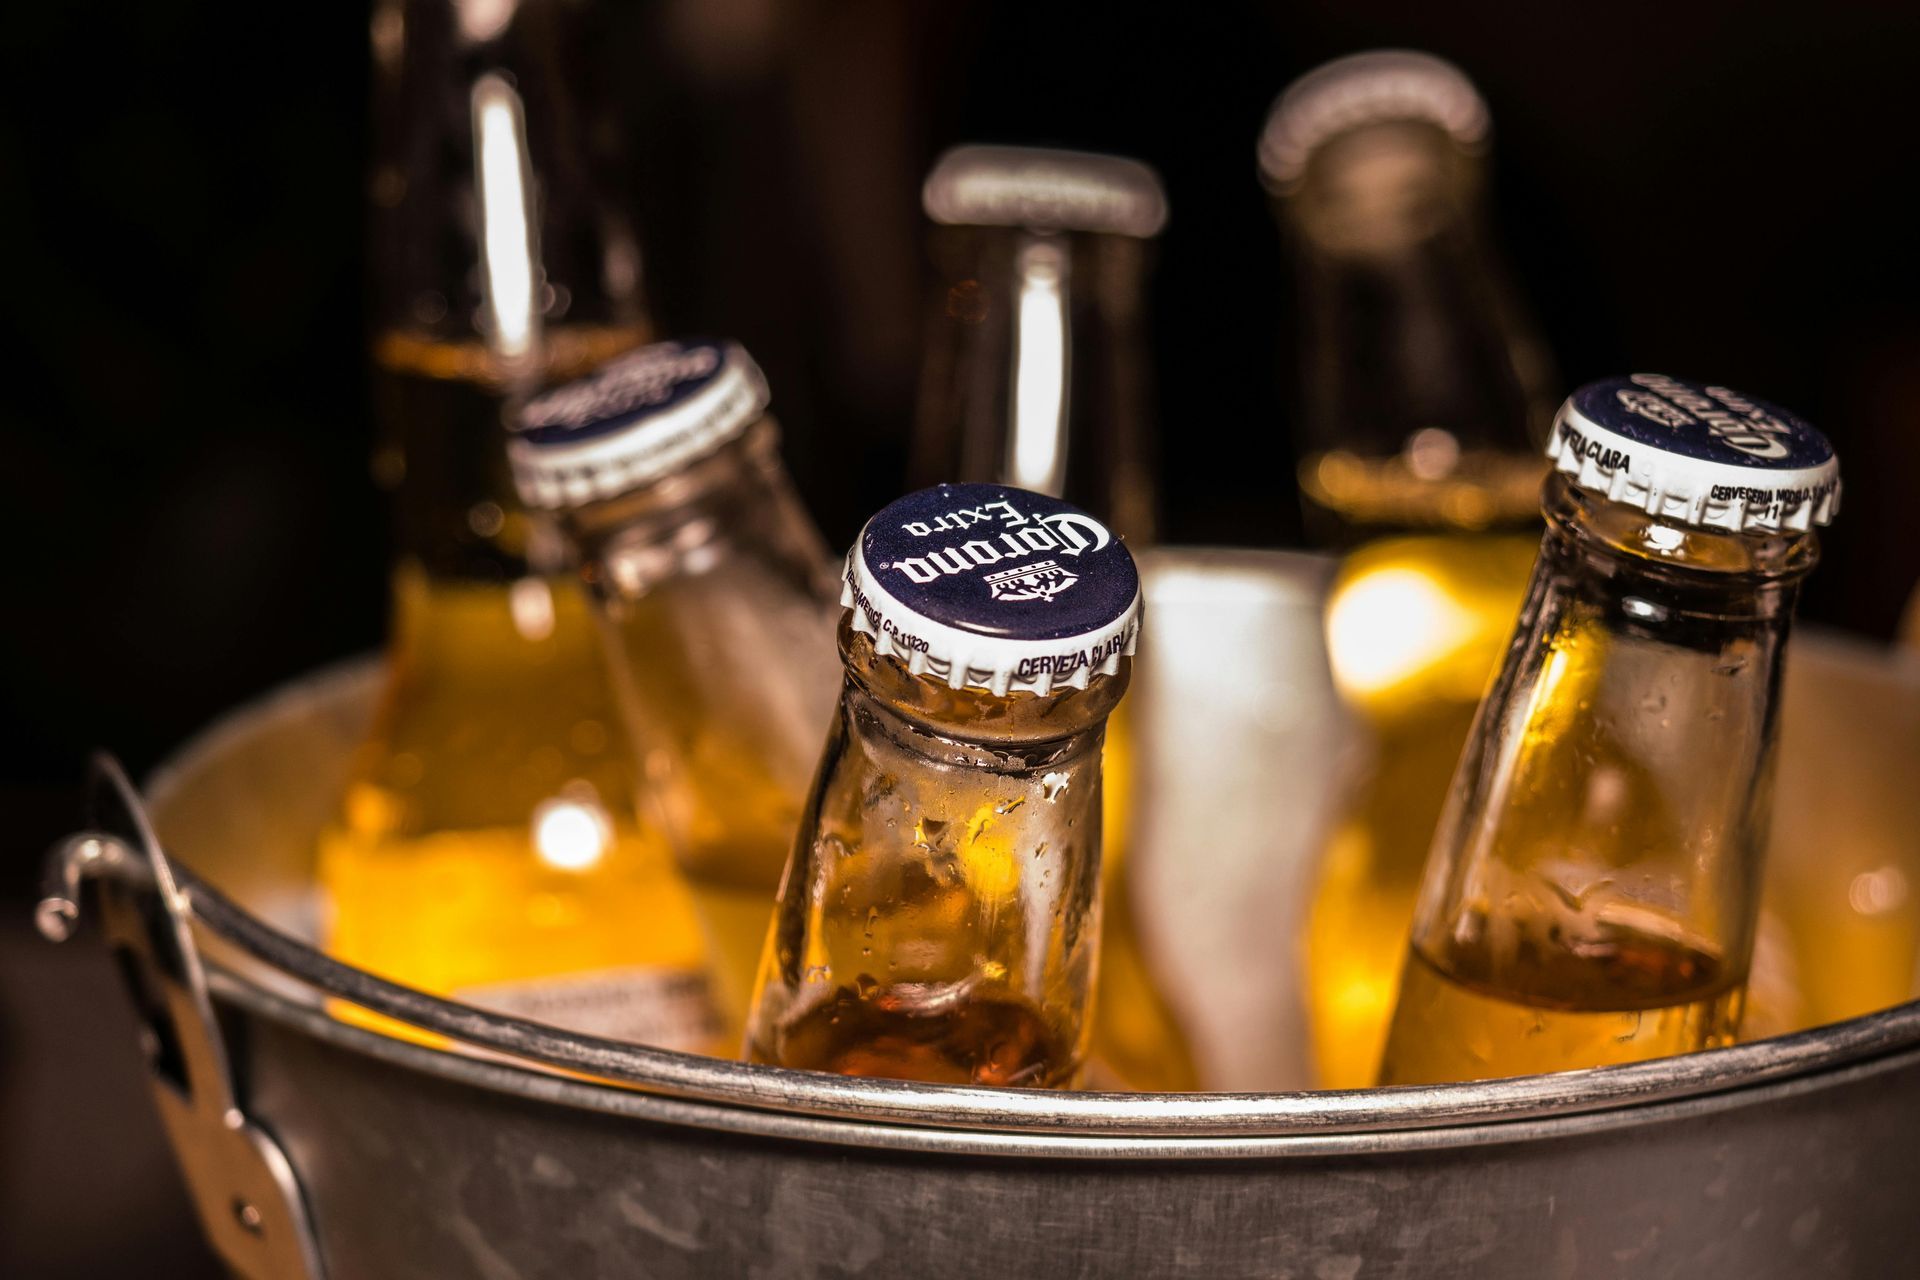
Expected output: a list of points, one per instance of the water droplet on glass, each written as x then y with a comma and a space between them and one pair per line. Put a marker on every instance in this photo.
866, 984
1051, 785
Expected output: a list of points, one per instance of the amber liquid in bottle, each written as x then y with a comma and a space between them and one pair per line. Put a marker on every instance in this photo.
940, 918
1632, 995
1592, 893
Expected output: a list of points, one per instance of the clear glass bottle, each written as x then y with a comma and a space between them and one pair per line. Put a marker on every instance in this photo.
940, 916
1593, 890
715, 594
487, 846
1036, 374
1421, 394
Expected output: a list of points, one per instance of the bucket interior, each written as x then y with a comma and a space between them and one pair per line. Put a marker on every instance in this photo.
1243, 744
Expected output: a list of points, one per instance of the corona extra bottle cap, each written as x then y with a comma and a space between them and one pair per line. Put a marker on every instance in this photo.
995, 588
636, 418
1696, 453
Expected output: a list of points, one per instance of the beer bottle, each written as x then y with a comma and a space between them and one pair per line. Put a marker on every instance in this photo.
940, 913
714, 592
1035, 372
1420, 394
1036, 375
1593, 889
487, 846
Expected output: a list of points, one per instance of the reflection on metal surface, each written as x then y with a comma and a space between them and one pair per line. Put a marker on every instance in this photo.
507, 235
1036, 436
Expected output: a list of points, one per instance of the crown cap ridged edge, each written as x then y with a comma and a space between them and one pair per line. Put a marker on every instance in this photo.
1696, 453
636, 419
1362, 89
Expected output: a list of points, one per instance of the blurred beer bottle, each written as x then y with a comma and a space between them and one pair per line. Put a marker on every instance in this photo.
940, 917
1036, 374
1592, 896
487, 847
715, 595
1421, 393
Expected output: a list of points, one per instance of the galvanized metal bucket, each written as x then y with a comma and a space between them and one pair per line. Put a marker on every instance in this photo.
314, 1148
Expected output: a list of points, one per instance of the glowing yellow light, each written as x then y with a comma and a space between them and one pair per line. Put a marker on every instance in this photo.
509, 254
1036, 437
570, 835
530, 601
1386, 626
991, 862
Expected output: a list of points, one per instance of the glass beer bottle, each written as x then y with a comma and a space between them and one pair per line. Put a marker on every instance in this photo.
1420, 393
487, 846
1036, 375
715, 595
940, 915
1593, 891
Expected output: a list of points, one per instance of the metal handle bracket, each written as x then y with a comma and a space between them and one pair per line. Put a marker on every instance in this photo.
243, 1187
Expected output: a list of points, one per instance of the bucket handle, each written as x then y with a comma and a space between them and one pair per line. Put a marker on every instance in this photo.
243, 1187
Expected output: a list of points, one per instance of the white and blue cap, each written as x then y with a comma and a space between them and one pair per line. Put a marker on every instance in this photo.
1698, 453
991, 587
636, 418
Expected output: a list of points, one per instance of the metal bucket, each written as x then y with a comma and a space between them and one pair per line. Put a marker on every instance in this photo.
316, 1148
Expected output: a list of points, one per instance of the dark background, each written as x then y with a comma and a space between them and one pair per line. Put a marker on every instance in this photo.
1717, 190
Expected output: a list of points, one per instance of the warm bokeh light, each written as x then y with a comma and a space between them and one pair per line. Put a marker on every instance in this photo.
571, 835
1384, 627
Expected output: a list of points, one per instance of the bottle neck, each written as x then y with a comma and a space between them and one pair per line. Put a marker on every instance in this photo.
1420, 390
739, 498
1035, 370
1617, 775
973, 726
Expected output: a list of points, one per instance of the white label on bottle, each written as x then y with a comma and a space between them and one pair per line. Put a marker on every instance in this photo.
666, 1008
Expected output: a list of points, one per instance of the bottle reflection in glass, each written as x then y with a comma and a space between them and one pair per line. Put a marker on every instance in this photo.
487, 847
1036, 374
940, 916
1420, 387
1593, 892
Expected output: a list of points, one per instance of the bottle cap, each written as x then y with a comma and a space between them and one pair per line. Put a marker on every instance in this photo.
1363, 89
996, 588
1044, 190
1700, 454
636, 418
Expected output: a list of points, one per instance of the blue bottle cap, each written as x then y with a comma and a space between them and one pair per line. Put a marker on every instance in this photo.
636, 418
996, 588
1696, 453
